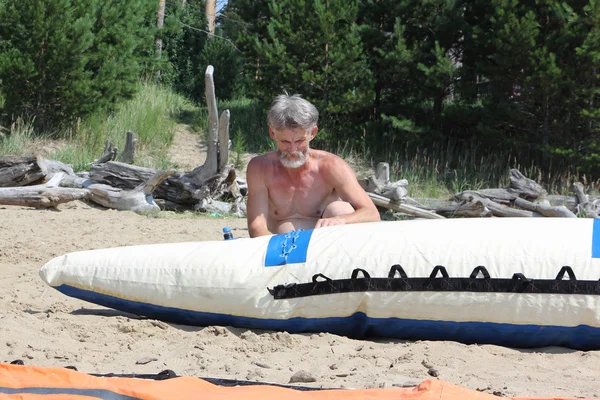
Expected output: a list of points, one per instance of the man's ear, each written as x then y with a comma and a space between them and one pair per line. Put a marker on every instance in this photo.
272, 134
313, 132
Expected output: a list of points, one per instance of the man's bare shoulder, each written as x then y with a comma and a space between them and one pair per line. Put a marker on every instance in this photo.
261, 167
263, 160
330, 162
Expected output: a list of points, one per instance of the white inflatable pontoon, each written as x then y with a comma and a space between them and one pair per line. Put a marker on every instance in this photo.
520, 282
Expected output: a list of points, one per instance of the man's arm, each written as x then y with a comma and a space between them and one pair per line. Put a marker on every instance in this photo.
339, 175
257, 207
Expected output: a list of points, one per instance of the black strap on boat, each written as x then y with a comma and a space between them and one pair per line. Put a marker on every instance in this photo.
441, 269
480, 270
568, 270
397, 268
439, 280
357, 271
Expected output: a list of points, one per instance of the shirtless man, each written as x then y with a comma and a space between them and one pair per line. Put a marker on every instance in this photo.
297, 187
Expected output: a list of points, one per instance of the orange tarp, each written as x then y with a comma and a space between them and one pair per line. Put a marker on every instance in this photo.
28, 382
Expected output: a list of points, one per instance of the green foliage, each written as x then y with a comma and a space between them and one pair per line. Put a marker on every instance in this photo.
183, 42
42, 63
239, 146
151, 114
61, 60
189, 51
406, 81
410, 73
312, 48
227, 63
248, 117
19, 138
123, 47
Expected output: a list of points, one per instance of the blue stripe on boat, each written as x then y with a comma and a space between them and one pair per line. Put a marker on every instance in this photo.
358, 325
288, 248
596, 239
103, 394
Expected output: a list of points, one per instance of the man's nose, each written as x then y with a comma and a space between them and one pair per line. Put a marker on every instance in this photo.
292, 148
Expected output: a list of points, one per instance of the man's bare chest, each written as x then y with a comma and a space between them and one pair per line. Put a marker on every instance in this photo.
302, 196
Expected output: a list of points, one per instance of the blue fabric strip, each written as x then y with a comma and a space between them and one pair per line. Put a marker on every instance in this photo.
596, 239
288, 248
359, 325
91, 393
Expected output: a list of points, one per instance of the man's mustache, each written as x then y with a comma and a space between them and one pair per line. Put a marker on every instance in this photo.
295, 154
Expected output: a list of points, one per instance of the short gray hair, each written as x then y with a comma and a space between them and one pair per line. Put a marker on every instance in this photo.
291, 112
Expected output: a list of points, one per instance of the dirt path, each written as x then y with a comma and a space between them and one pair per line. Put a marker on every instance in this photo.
188, 149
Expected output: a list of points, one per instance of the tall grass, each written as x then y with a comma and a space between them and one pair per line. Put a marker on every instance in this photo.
248, 130
246, 117
19, 138
152, 115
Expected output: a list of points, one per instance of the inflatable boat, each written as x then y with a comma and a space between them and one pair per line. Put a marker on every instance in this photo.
519, 282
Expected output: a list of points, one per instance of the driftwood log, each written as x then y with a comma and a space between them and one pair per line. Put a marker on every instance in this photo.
391, 204
217, 137
177, 190
45, 195
20, 171
114, 182
523, 197
585, 206
62, 188
128, 154
125, 176
464, 210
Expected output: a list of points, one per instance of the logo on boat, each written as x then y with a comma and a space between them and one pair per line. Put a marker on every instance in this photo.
288, 248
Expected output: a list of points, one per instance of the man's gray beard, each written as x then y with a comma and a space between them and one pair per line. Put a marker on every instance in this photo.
296, 162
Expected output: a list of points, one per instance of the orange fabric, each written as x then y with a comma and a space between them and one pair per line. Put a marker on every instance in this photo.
18, 376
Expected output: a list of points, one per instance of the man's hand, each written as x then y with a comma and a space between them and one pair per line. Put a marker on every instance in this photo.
329, 222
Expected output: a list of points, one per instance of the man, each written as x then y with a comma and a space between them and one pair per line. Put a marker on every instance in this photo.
297, 187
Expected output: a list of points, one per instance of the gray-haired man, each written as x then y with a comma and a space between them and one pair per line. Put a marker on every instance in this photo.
297, 187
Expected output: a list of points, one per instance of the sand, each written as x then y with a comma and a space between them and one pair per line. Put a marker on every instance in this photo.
42, 327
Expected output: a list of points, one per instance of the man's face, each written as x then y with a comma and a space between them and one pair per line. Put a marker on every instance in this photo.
293, 145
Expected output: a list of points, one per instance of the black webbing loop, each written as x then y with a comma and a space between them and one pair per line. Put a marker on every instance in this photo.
397, 268
439, 268
521, 278
480, 269
317, 276
356, 271
568, 270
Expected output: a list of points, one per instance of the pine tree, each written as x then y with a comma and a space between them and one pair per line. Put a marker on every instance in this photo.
64, 59
123, 46
45, 48
588, 58
227, 61
243, 21
313, 48
184, 41
414, 51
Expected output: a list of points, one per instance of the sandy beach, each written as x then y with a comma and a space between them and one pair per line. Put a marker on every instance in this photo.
43, 327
